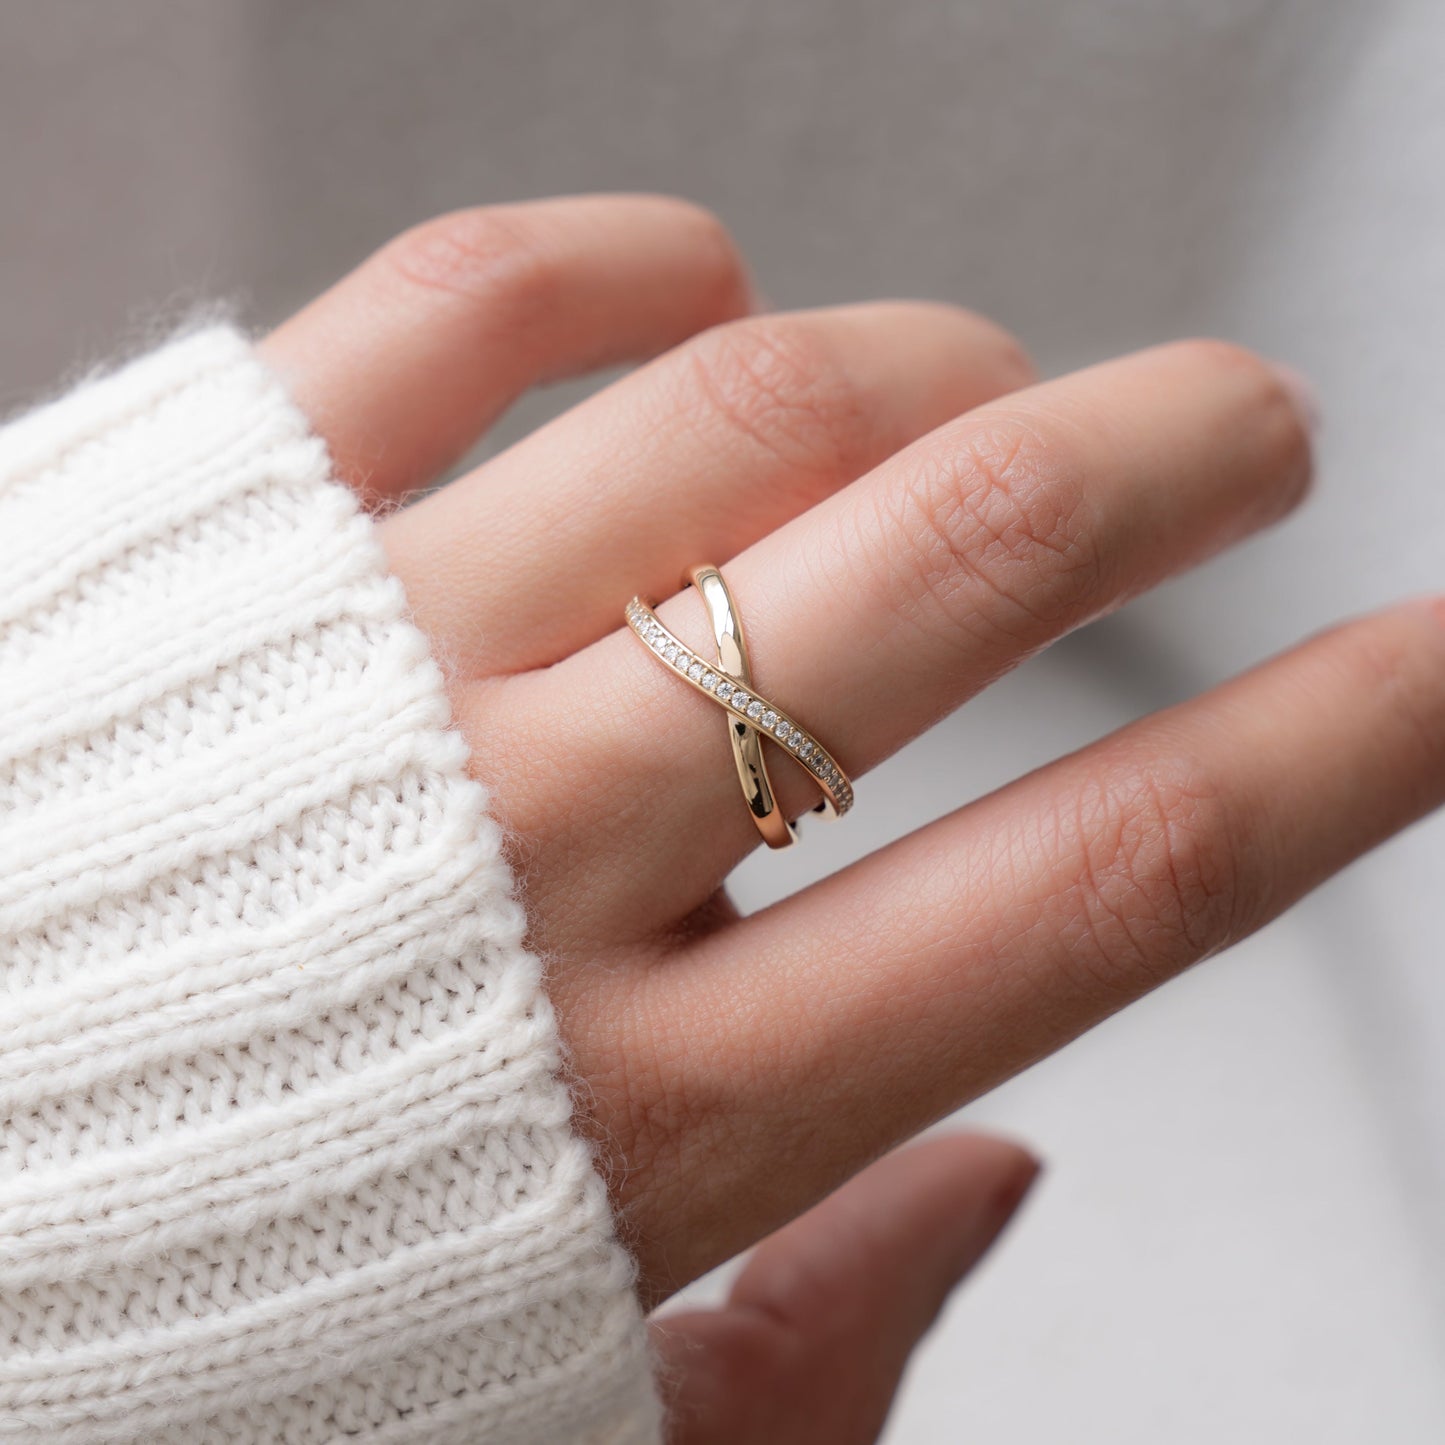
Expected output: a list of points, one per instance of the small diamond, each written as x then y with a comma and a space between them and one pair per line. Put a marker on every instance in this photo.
696, 671
770, 719
709, 680
806, 751
724, 689
755, 709
820, 766
670, 652
796, 741
784, 730
741, 700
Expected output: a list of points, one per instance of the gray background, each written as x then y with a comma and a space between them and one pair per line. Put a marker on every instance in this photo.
1238, 1237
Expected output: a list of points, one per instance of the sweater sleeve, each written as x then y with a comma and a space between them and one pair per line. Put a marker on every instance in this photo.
284, 1151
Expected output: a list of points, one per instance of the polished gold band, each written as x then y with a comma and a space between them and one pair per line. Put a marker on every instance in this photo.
747, 742
750, 713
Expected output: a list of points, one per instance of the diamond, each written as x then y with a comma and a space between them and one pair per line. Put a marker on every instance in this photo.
670, 652
741, 700
755, 709
806, 751
696, 671
709, 679
770, 719
796, 741
784, 730
724, 688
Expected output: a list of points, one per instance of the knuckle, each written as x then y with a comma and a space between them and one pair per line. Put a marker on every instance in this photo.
485, 255
996, 526
778, 384
1160, 877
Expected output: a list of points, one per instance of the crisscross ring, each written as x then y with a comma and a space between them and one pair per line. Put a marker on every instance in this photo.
728, 682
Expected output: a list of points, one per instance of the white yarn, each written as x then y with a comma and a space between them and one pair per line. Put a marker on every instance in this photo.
284, 1156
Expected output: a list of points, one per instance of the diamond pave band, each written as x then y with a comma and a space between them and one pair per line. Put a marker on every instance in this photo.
743, 702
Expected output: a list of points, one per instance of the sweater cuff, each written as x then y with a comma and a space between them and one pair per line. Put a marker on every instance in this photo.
284, 1153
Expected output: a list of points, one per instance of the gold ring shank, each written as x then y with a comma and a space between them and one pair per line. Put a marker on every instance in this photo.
747, 742
743, 703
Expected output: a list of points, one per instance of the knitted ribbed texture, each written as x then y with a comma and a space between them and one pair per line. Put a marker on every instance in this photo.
283, 1153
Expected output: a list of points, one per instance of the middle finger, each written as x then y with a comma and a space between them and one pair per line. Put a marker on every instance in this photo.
712, 445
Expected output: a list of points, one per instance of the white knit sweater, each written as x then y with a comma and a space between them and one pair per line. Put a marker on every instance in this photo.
283, 1152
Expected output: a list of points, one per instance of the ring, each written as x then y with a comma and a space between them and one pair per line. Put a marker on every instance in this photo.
749, 713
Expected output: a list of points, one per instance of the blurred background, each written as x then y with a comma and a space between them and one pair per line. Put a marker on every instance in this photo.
1239, 1234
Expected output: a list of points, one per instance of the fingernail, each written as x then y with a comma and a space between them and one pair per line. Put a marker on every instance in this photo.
1302, 392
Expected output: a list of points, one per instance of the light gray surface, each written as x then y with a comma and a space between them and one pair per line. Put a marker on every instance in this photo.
1238, 1237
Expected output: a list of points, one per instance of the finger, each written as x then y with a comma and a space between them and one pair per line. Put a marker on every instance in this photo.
848, 1016
894, 601
696, 456
405, 362
819, 1326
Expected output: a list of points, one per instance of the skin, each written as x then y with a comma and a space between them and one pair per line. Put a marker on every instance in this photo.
892, 474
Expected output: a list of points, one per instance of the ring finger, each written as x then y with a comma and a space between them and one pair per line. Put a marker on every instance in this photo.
885, 607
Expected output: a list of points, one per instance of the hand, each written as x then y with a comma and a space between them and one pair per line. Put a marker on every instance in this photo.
903, 515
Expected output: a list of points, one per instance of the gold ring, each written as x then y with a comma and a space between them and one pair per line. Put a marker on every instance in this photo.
750, 714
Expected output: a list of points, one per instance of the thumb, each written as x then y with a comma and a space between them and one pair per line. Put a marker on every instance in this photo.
814, 1337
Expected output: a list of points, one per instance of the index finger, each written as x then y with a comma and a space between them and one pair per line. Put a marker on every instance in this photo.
405, 362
